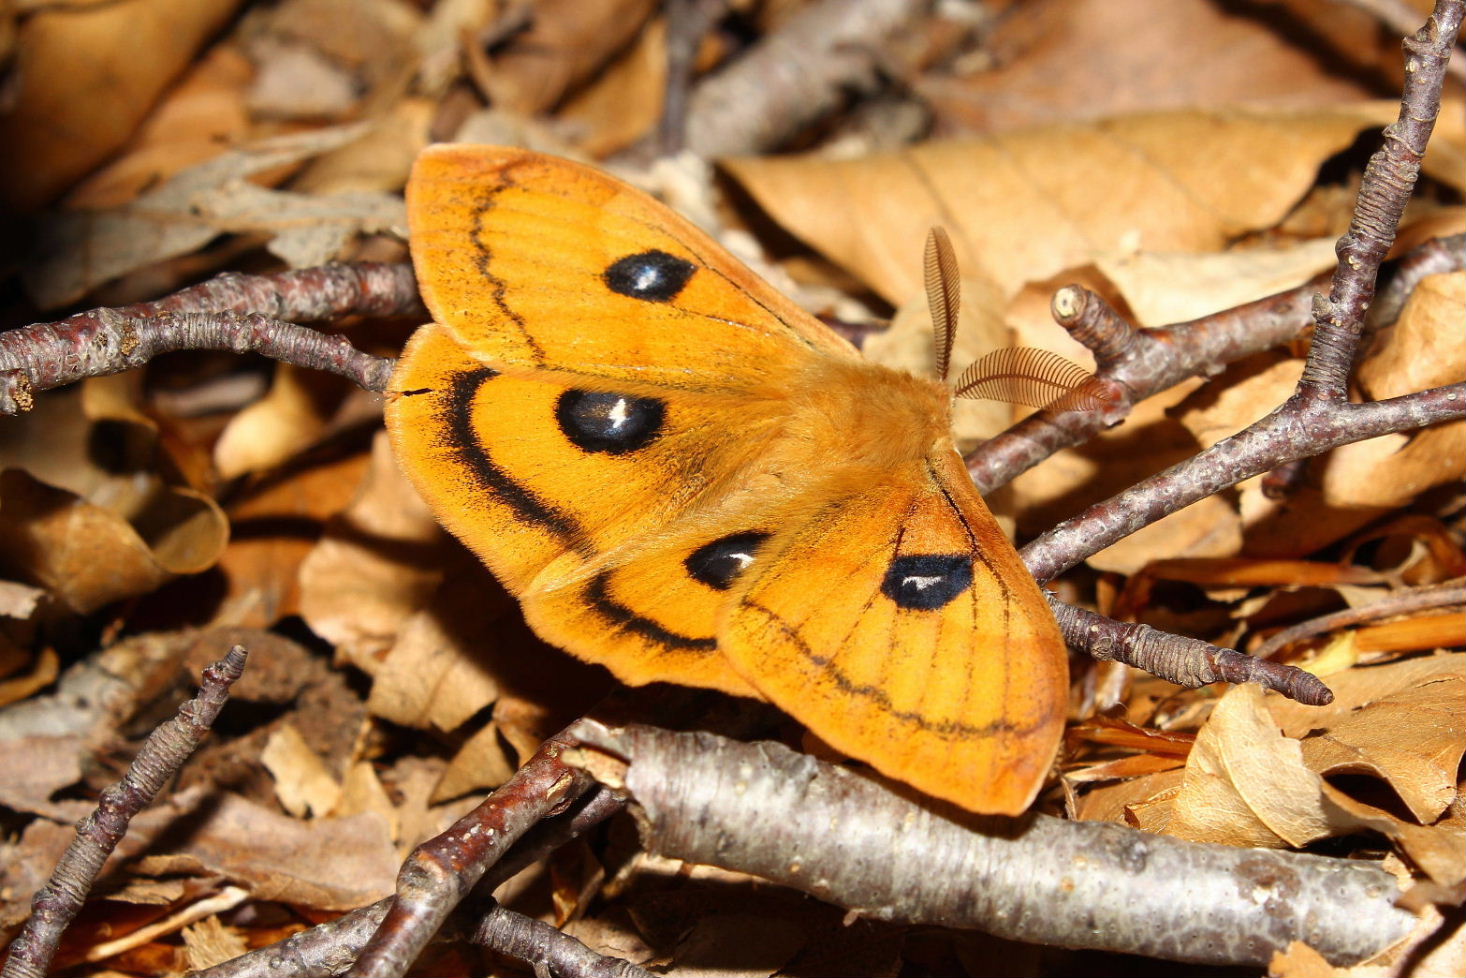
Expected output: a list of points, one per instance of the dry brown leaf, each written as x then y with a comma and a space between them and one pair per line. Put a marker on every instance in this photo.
567, 43
210, 942
286, 421
84, 78
323, 863
1404, 722
1246, 784
377, 564
33, 768
1249, 783
377, 162
82, 250
1113, 802
273, 532
432, 677
87, 556
1079, 59
1299, 960
1023, 206
309, 68
42, 674
302, 782
1168, 287
480, 763
624, 101
200, 118
362, 791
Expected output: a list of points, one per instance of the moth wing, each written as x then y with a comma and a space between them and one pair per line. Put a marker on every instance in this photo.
652, 614
543, 480
901, 627
536, 262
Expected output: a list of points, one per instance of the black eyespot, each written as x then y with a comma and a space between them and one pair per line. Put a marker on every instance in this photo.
719, 563
652, 275
611, 423
927, 581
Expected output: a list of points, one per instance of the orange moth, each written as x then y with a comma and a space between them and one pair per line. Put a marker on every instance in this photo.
686, 478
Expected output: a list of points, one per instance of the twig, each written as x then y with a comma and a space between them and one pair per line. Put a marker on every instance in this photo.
1133, 364
547, 949
441, 872
1401, 18
106, 341
794, 76
1402, 602
1185, 661
329, 948
1318, 416
248, 310
766, 810
688, 21
162, 754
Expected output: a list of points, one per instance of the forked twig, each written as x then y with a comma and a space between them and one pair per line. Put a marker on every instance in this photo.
1318, 416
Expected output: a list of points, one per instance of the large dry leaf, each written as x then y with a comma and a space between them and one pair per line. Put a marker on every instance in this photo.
201, 117
308, 68
302, 782
1022, 206
1249, 783
324, 863
85, 76
1403, 722
432, 676
274, 529
1079, 59
89, 512
87, 556
565, 44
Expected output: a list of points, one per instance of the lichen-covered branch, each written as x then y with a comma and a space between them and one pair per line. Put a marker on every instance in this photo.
769, 811
56, 904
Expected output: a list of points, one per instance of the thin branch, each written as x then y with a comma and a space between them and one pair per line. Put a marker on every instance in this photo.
688, 22
56, 904
548, 950
1133, 364
107, 341
1185, 661
1402, 602
764, 809
794, 76
1317, 417
1298, 429
441, 872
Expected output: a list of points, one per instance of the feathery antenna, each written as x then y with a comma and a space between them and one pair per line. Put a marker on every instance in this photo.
1031, 376
943, 294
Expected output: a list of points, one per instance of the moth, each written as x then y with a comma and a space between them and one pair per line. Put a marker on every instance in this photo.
686, 478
